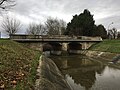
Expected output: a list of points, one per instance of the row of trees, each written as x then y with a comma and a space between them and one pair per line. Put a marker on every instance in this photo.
52, 26
80, 25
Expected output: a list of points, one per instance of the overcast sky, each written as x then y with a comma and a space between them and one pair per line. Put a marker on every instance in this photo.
104, 11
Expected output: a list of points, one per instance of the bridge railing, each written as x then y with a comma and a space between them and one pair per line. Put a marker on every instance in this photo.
62, 37
22, 36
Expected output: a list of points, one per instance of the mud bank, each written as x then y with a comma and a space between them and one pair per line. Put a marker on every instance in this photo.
111, 59
98, 54
49, 76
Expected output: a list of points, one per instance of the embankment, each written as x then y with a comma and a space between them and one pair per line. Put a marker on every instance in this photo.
17, 66
49, 76
107, 51
101, 55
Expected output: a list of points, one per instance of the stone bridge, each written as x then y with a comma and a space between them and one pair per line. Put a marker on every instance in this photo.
56, 44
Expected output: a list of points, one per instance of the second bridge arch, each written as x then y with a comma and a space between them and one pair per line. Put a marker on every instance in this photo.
74, 48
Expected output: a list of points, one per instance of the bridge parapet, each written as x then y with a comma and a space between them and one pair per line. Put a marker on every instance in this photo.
55, 37
23, 36
89, 38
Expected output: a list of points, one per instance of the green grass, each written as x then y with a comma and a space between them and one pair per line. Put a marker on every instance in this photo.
107, 46
17, 63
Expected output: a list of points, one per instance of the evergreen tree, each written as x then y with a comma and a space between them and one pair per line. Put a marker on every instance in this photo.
101, 31
82, 24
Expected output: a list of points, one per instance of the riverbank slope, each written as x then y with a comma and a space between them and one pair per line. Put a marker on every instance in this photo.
106, 51
17, 66
49, 76
112, 46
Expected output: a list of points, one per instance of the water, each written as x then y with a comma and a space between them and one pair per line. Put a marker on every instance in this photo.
83, 73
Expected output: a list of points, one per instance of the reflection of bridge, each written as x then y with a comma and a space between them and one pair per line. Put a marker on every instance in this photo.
57, 43
81, 70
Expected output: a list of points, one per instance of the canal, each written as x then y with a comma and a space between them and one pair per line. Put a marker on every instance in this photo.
83, 73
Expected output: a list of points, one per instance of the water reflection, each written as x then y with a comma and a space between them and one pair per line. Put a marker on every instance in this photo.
83, 73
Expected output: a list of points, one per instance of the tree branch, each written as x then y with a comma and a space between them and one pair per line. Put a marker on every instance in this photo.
2, 1
4, 4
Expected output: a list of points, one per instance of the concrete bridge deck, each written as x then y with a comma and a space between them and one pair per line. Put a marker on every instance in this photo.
55, 40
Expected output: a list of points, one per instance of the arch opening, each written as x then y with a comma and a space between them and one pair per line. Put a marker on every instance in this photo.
74, 48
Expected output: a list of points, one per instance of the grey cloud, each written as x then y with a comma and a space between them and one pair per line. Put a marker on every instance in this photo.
109, 9
109, 20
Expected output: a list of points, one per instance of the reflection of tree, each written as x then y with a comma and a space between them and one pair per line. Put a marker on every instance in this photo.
74, 63
100, 71
85, 79
81, 70
85, 76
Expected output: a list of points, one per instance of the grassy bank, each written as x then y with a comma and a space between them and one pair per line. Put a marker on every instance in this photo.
112, 46
107, 46
17, 66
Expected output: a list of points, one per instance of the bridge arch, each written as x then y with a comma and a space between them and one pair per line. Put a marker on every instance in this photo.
53, 48
56, 46
74, 47
46, 47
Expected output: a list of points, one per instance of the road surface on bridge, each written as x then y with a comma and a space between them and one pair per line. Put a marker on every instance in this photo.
55, 40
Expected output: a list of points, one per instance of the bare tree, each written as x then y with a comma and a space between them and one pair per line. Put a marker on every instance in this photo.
11, 25
62, 27
113, 33
6, 4
55, 26
35, 29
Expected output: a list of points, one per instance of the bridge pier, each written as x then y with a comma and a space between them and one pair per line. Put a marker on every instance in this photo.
84, 46
87, 45
64, 46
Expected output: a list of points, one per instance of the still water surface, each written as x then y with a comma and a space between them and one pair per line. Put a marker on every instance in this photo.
83, 73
